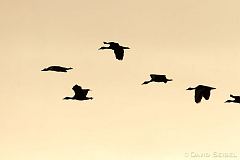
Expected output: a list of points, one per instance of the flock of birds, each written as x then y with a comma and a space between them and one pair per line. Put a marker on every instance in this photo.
81, 94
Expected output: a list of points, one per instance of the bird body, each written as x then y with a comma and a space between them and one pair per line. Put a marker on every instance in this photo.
118, 50
157, 78
57, 69
236, 99
80, 94
201, 91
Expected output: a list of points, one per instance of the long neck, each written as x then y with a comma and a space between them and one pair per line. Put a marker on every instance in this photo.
89, 98
229, 101
125, 47
67, 98
104, 48
190, 88
146, 82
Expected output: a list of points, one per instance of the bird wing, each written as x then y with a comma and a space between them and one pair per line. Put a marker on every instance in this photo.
206, 94
198, 95
236, 97
84, 92
153, 75
57, 68
157, 76
53, 68
77, 90
114, 44
119, 53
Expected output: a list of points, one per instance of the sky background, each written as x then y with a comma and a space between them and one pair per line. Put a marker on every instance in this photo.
191, 41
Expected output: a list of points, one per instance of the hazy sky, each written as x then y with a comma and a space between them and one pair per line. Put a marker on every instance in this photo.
191, 41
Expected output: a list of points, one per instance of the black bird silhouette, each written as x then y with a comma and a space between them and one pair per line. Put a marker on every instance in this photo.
57, 69
80, 94
201, 91
118, 50
157, 78
236, 99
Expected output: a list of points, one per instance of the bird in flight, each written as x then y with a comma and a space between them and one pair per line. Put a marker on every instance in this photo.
201, 91
80, 94
236, 99
118, 50
57, 69
157, 78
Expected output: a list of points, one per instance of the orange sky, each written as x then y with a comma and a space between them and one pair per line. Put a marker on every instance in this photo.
192, 42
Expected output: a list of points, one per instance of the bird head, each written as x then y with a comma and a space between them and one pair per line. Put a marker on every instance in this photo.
190, 88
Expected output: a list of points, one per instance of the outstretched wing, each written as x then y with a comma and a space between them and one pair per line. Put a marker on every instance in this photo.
206, 94
84, 92
236, 97
58, 68
119, 53
198, 95
157, 76
77, 90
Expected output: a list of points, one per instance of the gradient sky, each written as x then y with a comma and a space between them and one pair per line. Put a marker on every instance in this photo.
191, 41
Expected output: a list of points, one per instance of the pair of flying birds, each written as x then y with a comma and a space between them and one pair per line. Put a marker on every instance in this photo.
81, 94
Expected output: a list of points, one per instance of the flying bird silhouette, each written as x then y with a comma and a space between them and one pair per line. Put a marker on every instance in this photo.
236, 99
201, 91
80, 94
57, 69
118, 50
157, 78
